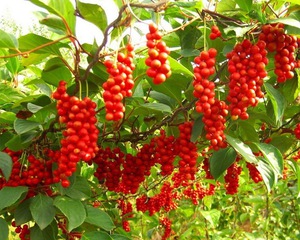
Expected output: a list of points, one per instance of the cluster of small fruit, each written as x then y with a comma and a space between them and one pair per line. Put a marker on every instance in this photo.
159, 67
187, 152
22, 230
246, 65
166, 223
214, 111
297, 131
285, 47
126, 213
254, 173
27, 170
232, 178
80, 135
119, 83
215, 32
163, 200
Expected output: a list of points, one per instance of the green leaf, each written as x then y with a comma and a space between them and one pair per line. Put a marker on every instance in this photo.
49, 233
93, 13
63, 9
15, 143
54, 76
72, 209
31, 41
239, 31
157, 107
5, 165
8, 40
52, 21
212, 216
13, 65
95, 235
267, 173
272, 155
197, 129
225, 5
4, 138
277, 100
7, 117
22, 213
10, 195
4, 230
99, 218
296, 169
160, 97
42, 210
245, 5
291, 88
220, 161
22, 126
80, 189
242, 149
247, 131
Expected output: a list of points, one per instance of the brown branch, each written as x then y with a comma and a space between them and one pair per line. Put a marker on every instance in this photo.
215, 15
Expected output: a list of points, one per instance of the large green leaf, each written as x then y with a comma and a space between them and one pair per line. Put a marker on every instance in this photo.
5, 165
52, 21
294, 165
244, 4
13, 65
22, 126
247, 131
55, 75
242, 149
3, 229
267, 172
42, 210
72, 209
22, 213
272, 155
8, 40
10, 195
4, 138
291, 88
220, 161
31, 41
197, 129
49, 233
96, 235
80, 189
63, 9
277, 100
99, 218
92, 13
212, 216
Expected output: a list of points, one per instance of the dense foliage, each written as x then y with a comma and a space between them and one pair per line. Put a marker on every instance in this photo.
182, 123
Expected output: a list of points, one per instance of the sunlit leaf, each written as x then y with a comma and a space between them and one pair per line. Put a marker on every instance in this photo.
5, 165
8, 40
99, 218
267, 173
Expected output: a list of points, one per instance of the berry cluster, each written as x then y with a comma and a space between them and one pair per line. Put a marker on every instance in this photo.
159, 67
187, 151
297, 131
164, 199
166, 223
254, 173
246, 65
23, 231
80, 136
119, 84
126, 209
214, 111
285, 47
232, 178
108, 169
215, 32
195, 192
27, 170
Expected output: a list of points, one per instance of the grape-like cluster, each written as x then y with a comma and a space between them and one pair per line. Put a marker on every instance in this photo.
254, 173
22, 230
214, 111
159, 67
232, 178
127, 213
166, 223
285, 47
246, 65
297, 131
119, 84
80, 136
215, 32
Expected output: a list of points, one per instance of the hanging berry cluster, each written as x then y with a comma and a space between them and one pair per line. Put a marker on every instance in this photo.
22, 230
119, 84
159, 67
246, 65
232, 178
80, 136
254, 173
297, 131
127, 213
284, 46
214, 111
215, 32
